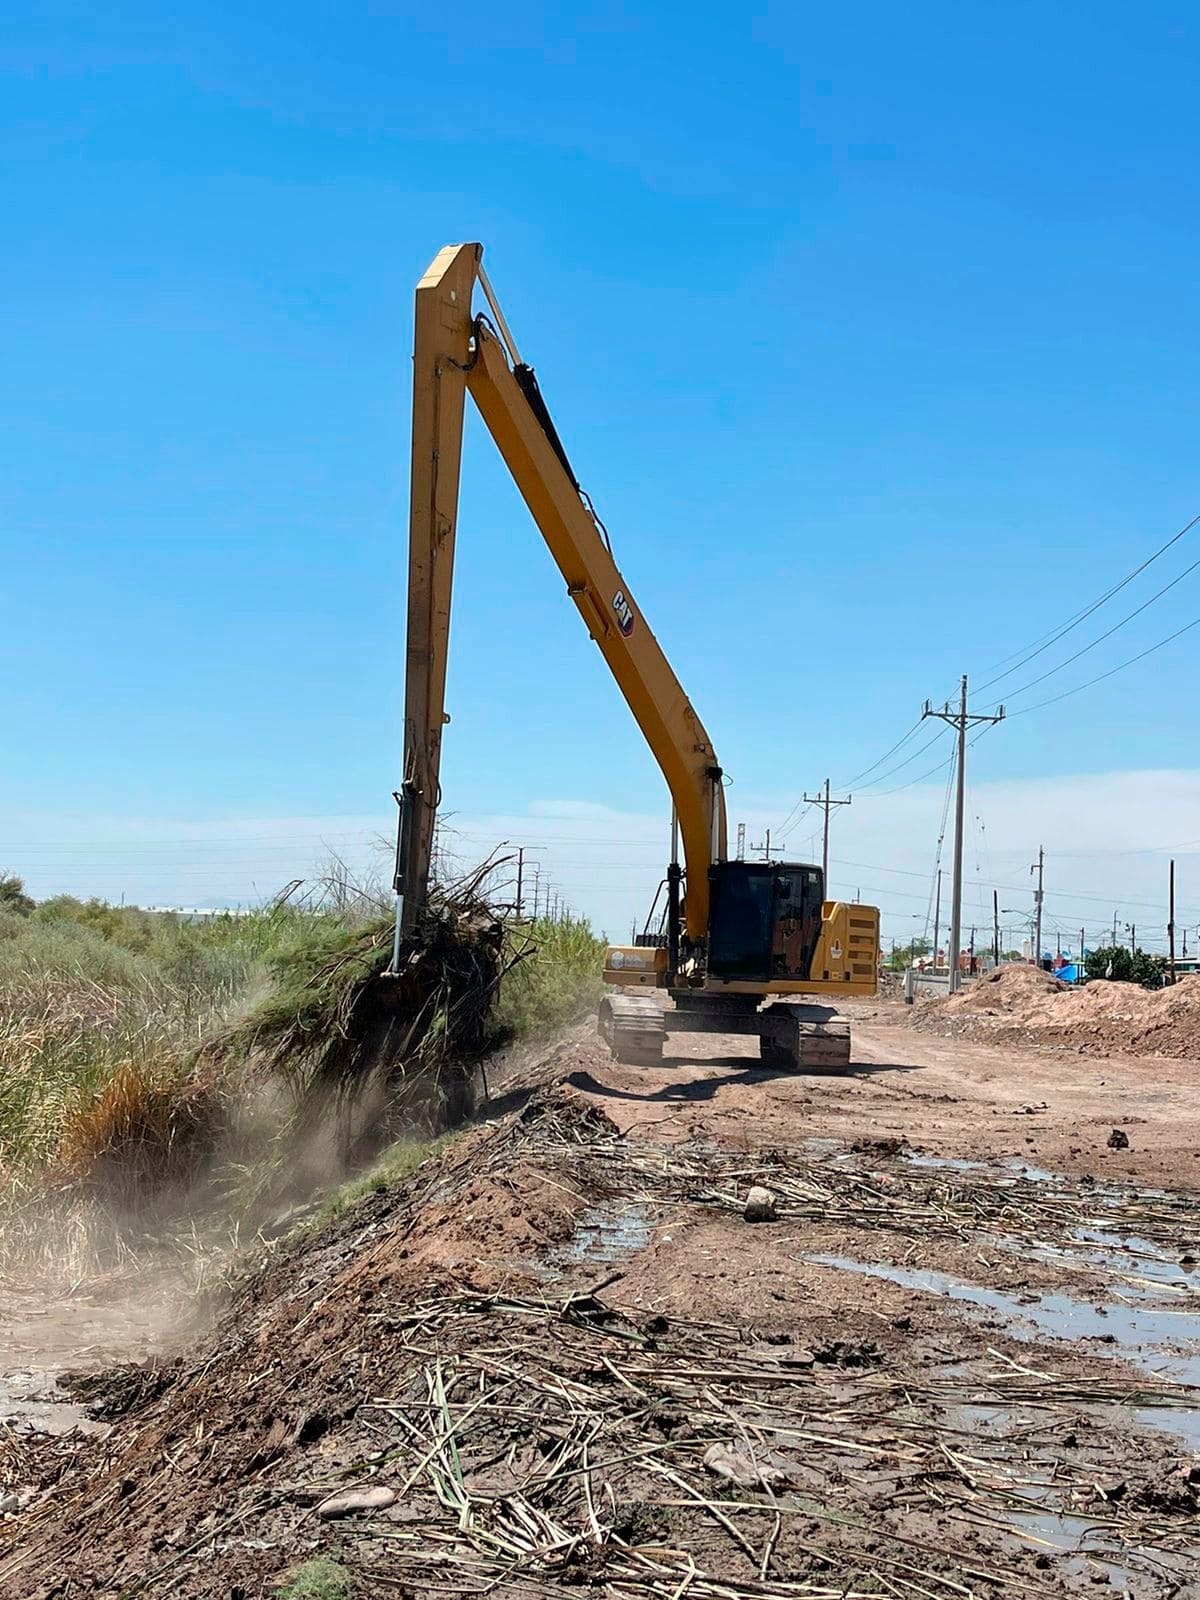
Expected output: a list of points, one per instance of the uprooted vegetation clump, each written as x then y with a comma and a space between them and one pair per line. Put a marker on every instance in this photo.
152, 1068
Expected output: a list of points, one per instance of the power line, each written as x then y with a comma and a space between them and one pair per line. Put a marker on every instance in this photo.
1053, 671
1055, 635
908, 760
1112, 671
845, 783
947, 761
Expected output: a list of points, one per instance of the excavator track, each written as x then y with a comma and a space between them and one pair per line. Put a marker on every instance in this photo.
634, 1028
805, 1039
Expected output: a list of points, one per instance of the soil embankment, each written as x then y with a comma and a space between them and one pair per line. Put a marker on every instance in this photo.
562, 1361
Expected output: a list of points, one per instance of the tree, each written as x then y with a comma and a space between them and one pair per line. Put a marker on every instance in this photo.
904, 955
12, 895
1120, 965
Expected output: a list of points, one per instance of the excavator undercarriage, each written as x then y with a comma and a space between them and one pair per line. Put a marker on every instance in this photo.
791, 1036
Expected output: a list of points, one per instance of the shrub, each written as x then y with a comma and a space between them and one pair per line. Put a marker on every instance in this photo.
1120, 965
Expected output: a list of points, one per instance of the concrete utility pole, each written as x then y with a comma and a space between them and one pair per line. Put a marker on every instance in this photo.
962, 720
741, 844
765, 847
826, 805
1039, 867
1171, 925
1114, 937
937, 918
996, 926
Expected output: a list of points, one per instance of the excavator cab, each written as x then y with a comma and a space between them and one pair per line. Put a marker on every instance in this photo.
764, 919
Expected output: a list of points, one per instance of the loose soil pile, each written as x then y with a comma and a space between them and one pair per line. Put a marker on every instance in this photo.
1020, 1004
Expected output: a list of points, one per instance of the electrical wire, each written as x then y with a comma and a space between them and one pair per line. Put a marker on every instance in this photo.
1046, 640
1054, 671
1112, 671
900, 765
845, 783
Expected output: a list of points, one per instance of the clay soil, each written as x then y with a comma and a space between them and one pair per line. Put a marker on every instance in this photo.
576, 1368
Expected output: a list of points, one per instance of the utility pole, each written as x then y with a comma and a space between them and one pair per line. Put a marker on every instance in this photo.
1114, 937
996, 926
1039, 867
1082, 931
520, 877
765, 847
962, 720
1171, 925
937, 918
826, 805
741, 844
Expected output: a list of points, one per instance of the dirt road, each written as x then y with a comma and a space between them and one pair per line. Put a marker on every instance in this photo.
961, 1360
947, 1096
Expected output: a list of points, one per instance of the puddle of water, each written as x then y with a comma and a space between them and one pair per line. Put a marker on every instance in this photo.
914, 1158
1034, 1174
1125, 1329
610, 1233
1145, 1271
31, 1402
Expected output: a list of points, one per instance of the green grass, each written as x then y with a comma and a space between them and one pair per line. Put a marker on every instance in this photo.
557, 981
398, 1162
320, 1579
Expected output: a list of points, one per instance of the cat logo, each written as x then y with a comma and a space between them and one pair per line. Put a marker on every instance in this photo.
624, 612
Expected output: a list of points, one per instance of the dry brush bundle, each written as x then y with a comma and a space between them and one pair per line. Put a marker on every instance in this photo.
340, 1024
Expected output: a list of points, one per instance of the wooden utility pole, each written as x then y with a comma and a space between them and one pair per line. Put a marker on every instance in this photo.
962, 720
765, 847
1171, 925
996, 926
826, 805
1039, 867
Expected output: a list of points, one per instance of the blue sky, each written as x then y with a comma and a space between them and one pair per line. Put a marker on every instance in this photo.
872, 331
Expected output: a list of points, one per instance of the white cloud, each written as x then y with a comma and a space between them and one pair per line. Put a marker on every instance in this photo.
1107, 838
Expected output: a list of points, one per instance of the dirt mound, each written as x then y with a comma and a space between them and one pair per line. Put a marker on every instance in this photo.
1020, 1004
1016, 990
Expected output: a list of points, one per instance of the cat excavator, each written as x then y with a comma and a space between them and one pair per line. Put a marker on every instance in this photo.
738, 942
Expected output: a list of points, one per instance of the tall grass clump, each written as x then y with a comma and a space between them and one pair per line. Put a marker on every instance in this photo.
152, 1068
555, 977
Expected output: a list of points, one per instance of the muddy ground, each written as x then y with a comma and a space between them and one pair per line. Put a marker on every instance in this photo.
961, 1360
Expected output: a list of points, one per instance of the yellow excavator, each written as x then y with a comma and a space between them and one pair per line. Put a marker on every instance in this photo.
734, 934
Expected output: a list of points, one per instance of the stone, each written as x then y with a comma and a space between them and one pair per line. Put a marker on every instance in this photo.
347, 1501
760, 1205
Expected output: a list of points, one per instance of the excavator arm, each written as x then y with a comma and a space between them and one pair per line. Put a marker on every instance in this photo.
455, 351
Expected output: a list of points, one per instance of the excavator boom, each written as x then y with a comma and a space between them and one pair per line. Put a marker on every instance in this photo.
456, 351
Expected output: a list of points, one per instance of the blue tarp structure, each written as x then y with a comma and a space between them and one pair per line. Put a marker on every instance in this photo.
1069, 974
